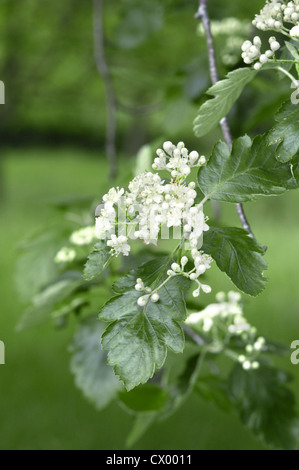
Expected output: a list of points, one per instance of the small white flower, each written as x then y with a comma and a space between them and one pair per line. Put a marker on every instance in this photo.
139, 288
142, 301
175, 267
257, 41
193, 276
295, 31
65, 255
168, 147
184, 261
274, 46
263, 59
119, 244
155, 297
84, 236
246, 365
206, 289
114, 195
170, 273
193, 156
207, 324
195, 293
269, 53
246, 45
220, 297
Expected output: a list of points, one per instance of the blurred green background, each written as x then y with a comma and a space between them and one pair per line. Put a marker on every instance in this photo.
53, 144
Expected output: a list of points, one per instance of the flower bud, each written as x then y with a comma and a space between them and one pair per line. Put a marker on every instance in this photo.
142, 301
184, 261
206, 289
175, 267
155, 297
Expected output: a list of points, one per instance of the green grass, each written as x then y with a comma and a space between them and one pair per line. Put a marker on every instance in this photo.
40, 408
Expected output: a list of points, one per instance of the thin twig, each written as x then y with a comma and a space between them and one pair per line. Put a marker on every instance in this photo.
202, 14
102, 66
196, 338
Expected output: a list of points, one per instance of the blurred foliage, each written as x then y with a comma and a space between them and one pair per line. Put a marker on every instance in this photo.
156, 55
54, 94
40, 407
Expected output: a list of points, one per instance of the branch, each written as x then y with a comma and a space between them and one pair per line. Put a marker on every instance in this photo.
103, 69
203, 15
196, 338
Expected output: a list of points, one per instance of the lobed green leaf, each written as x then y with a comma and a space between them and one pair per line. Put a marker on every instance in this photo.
138, 337
266, 405
97, 261
285, 132
239, 256
93, 376
249, 170
226, 92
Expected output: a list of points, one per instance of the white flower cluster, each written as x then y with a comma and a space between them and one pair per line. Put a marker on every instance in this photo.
202, 262
83, 236
275, 13
226, 318
249, 361
177, 160
119, 245
106, 222
251, 51
205, 318
65, 255
151, 203
149, 295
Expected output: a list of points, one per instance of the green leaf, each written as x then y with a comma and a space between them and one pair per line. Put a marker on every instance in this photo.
179, 388
144, 160
285, 132
226, 92
145, 398
141, 424
292, 49
248, 171
36, 266
150, 272
266, 405
184, 384
214, 389
93, 376
138, 337
73, 305
97, 261
47, 301
293, 183
239, 256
